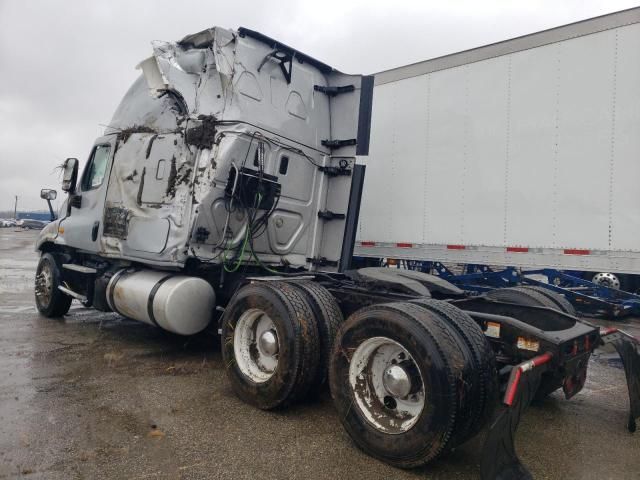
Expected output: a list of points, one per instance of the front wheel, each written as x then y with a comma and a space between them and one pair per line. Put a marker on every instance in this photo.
50, 301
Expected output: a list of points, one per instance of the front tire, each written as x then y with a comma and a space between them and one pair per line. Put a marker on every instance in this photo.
50, 301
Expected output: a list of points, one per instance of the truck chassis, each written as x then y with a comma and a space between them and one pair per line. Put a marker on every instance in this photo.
412, 343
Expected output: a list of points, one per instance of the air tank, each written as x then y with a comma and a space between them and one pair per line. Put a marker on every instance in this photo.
176, 303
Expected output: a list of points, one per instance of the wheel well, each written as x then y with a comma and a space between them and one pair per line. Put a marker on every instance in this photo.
47, 247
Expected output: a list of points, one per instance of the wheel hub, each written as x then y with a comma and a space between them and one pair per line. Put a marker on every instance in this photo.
387, 385
44, 284
268, 343
256, 345
607, 279
396, 381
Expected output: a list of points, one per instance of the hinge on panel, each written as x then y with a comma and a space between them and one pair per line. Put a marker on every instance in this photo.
338, 143
322, 262
329, 215
333, 91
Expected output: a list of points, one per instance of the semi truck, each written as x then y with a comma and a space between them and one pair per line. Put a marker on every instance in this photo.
225, 195
522, 153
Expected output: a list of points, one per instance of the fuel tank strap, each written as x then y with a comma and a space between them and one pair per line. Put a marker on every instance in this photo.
152, 296
111, 286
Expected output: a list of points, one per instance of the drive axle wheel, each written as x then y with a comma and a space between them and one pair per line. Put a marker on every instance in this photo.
270, 344
393, 378
480, 387
50, 301
329, 318
560, 301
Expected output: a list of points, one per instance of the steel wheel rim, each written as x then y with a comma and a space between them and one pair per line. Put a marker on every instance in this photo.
256, 345
44, 284
378, 385
607, 279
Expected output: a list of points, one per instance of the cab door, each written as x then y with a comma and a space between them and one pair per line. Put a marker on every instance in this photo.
82, 226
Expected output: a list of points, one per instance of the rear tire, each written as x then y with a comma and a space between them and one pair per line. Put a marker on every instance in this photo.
328, 318
50, 301
270, 344
522, 296
403, 429
560, 301
485, 377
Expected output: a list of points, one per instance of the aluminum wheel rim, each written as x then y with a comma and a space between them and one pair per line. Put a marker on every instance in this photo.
384, 404
44, 284
607, 280
256, 345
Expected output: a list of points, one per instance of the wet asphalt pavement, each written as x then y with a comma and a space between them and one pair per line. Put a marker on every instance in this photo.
97, 396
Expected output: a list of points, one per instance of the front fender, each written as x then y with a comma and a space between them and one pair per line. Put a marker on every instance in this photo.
49, 234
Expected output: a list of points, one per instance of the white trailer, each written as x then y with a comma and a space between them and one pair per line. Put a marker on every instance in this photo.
522, 153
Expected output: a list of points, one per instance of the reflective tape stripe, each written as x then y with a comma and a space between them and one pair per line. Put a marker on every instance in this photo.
518, 249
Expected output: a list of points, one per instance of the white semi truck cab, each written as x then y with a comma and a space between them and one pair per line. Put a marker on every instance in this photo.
225, 193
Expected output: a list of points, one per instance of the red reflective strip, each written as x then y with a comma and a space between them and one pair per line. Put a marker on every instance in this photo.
576, 251
542, 359
404, 245
367, 244
517, 249
587, 343
607, 331
456, 247
512, 387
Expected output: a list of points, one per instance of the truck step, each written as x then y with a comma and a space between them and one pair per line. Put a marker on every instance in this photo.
79, 268
71, 293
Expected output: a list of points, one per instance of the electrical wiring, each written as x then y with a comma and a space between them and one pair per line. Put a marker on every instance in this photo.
256, 224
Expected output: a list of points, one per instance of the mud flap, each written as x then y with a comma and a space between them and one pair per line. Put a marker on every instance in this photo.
499, 458
628, 347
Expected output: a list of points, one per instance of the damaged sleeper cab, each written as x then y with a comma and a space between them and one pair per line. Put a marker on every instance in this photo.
227, 182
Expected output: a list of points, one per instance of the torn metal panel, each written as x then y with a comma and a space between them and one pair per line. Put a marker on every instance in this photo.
201, 108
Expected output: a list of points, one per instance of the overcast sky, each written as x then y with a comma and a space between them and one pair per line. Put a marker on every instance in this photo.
64, 65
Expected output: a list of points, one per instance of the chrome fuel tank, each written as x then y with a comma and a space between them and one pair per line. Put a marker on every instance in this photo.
176, 303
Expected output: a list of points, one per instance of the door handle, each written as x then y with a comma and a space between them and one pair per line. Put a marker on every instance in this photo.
94, 231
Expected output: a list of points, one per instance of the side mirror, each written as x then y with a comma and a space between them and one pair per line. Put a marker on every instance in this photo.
70, 174
47, 194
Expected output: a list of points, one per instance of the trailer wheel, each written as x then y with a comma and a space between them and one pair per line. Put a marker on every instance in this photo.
50, 301
393, 381
270, 344
328, 317
485, 378
561, 303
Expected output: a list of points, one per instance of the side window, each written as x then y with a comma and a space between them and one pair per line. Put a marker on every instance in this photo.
97, 167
